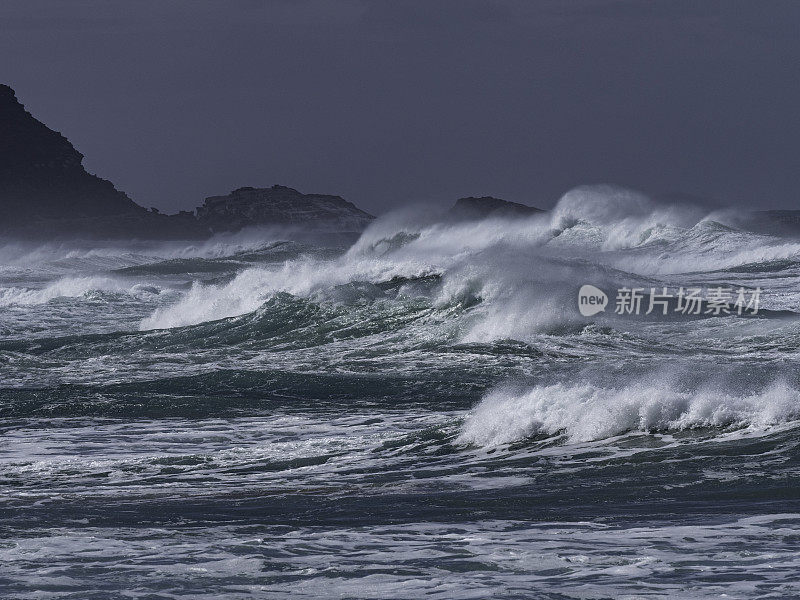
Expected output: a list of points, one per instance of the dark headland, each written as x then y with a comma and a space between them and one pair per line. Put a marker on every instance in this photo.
46, 193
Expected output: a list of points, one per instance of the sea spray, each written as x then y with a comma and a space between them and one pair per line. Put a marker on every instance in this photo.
585, 411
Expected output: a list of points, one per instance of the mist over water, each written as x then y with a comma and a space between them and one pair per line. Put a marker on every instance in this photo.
421, 411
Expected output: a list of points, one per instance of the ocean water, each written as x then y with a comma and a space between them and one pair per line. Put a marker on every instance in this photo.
422, 412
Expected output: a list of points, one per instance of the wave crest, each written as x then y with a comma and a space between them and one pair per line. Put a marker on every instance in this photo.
586, 411
72, 287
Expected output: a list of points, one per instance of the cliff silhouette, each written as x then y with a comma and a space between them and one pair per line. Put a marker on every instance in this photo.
46, 193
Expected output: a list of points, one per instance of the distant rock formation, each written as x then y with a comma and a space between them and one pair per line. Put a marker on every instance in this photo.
772, 222
46, 193
467, 209
280, 205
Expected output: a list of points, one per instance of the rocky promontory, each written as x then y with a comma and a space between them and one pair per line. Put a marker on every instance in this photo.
471, 208
282, 206
46, 193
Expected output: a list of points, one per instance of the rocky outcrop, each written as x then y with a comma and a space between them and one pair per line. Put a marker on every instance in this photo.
487, 206
282, 206
41, 175
46, 193
772, 222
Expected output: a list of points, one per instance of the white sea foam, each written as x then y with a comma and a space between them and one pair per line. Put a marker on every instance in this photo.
90, 257
616, 217
521, 269
585, 411
71, 287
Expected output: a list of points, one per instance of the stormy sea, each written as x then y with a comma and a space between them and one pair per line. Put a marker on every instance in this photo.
419, 411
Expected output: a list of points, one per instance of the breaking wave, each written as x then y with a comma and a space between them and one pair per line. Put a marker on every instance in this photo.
585, 411
72, 287
523, 272
429, 372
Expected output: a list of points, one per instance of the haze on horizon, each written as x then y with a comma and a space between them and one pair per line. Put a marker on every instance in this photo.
387, 103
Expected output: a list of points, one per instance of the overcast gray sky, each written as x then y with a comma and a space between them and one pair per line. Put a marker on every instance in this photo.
393, 102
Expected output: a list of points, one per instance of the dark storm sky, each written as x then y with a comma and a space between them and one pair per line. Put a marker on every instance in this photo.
394, 102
